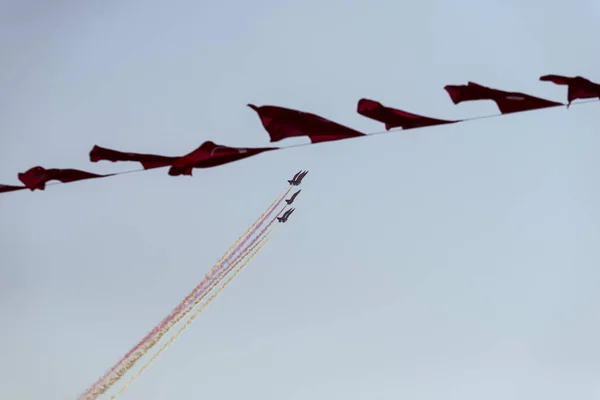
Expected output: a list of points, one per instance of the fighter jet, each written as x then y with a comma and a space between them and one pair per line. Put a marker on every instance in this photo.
291, 199
301, 177
294, 181
283, 219
297, 179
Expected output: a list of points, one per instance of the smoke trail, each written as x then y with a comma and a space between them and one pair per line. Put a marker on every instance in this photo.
237, 258
228, 260
128, 364
94, 388
170, 342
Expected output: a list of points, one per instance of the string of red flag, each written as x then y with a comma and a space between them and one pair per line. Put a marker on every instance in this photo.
282, 123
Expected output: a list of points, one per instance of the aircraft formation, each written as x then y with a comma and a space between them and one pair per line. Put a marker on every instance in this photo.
235, 258
295, 181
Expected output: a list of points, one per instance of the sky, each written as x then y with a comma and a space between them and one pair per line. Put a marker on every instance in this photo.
451, 262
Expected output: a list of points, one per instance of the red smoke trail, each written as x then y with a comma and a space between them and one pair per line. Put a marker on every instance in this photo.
187, 301
232, 258
221, 273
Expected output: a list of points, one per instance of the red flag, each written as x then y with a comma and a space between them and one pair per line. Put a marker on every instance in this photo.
8, 188
209, 155
508, 102
578, 87
394, 118
37, 177
147, 160
282, 123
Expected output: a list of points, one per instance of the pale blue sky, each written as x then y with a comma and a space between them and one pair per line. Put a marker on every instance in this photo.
455, 262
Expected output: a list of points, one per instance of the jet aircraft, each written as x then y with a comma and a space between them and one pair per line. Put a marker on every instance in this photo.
301, 177
293, 181
283, 219
297, 179
291, 199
